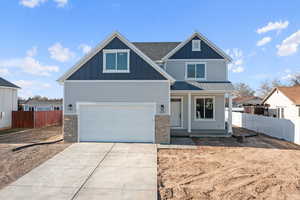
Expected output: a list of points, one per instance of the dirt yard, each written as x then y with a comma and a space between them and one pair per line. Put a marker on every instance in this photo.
260, 168
15, 164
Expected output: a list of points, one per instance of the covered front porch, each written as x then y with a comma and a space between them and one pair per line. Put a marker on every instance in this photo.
198, 112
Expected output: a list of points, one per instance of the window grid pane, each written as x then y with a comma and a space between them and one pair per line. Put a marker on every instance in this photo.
122, 61
209, 108
199, 108
110, 61
191, 71
200, 70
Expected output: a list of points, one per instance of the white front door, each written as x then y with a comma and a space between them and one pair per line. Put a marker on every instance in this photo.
175, 112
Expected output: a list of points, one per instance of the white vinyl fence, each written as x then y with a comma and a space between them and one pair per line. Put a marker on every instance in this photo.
279, 128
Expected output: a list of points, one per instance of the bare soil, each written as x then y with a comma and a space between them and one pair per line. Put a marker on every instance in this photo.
15, 164
222, 168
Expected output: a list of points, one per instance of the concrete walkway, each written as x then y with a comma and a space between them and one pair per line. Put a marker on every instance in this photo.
91, 171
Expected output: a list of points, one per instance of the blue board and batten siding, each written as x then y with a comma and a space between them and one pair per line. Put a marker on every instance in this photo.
186, 52
139, 68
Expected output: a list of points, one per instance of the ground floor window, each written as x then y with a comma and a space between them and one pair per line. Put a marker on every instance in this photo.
204, 108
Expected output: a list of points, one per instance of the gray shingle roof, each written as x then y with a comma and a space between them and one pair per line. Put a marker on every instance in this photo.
202, 85
156, 50
183, 85
6, 83
44, 102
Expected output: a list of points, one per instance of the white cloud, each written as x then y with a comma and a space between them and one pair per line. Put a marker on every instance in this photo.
237, 65
61, 3
32, 52
271, 26
30, 88
29, 65
289, 45
35, 3
31, 3
4, 72
60, 53
263, 41
85, 48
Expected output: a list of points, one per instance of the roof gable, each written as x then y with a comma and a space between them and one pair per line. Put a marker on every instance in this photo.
208, 50
5, 83
292, 93
139, 69
114, 41
186, 52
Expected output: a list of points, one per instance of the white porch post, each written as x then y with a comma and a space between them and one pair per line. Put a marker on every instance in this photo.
189, 112
229, 121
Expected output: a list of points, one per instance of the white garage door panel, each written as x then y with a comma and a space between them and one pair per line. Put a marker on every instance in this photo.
117, 123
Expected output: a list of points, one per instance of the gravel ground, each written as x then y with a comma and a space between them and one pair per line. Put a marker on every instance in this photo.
260, 168
15, 164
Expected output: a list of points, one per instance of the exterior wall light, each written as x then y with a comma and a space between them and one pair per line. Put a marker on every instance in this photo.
70, 107
162, 108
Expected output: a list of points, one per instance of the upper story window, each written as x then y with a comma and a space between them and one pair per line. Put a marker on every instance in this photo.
196, 71
196, 45
116, 60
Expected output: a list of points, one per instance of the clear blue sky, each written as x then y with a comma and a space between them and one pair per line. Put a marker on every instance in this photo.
41, 39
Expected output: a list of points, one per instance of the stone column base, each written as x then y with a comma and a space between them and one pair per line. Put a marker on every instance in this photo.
70, 128
162, 129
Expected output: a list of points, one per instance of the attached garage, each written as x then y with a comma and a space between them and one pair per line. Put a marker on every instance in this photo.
116, 122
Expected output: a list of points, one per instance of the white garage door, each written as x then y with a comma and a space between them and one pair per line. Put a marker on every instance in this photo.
117, 122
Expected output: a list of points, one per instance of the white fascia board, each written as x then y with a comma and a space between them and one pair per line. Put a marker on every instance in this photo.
202, 37
6, 87
116, 81
100, 46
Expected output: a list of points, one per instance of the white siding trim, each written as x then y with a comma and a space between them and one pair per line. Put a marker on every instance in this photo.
116, 81
189, 112
5, 87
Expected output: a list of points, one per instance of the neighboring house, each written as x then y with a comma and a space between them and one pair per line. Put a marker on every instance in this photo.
141, 91
239, 102
8, 102
284, 102
42, 105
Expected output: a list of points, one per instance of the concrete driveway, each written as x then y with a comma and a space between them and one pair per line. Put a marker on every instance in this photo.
91, 171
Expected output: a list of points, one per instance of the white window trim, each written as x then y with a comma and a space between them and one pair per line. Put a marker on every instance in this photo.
195, 106
196, 49
186, 71
105, 51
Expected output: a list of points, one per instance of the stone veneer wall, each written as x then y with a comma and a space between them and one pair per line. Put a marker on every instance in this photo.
70, 128
162, 129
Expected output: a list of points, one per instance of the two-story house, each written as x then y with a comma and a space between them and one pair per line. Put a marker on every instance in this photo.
126, 91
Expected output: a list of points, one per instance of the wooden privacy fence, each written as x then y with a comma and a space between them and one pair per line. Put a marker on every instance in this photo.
36, 119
